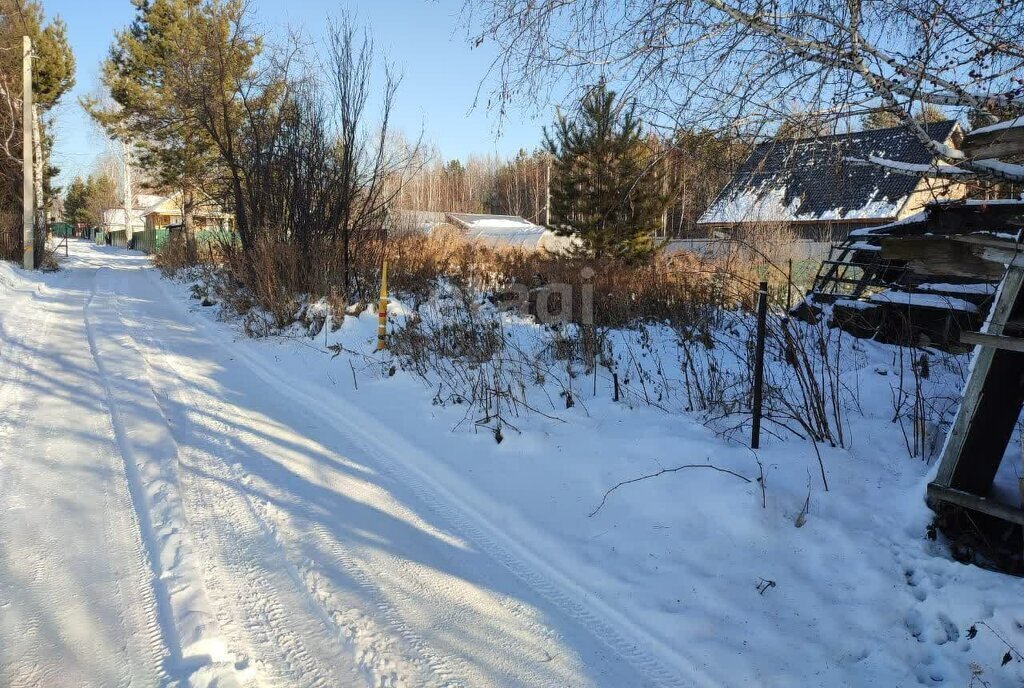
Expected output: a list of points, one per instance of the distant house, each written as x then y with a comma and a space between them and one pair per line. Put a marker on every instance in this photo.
508, 230
811, 187
113, 221
166, 211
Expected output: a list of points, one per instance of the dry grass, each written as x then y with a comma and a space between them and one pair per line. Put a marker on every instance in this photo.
676, 288
455, 338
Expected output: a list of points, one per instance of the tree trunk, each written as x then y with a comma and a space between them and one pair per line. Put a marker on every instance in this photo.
241, 213
188, 223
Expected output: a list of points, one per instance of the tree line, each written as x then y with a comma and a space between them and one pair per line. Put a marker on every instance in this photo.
284, 138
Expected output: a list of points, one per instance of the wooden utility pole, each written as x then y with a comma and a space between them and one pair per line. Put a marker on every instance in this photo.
28, 183
126, 190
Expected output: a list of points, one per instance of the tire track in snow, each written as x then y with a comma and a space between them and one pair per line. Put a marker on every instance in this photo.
138, 661
187, 629
281, 618
662, 666
375, 652
376, 657
120, 516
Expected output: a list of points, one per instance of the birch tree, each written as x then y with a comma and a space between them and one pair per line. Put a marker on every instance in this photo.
742, 65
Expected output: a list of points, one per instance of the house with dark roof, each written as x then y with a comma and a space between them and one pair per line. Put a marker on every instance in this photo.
815, 188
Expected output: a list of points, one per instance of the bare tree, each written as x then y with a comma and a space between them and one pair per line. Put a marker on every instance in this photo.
744, 64
370, 169
310, 172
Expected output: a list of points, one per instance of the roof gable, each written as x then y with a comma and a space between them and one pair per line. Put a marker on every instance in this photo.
808, 180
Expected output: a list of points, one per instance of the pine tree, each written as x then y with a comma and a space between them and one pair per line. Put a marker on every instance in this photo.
75, 201
165, 91
86, 199
606, 187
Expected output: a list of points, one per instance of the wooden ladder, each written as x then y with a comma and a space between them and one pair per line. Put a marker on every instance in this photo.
991, 404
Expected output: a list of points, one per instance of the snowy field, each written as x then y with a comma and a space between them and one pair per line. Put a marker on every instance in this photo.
181, 505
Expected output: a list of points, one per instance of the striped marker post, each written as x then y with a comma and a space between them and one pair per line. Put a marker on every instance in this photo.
382, 309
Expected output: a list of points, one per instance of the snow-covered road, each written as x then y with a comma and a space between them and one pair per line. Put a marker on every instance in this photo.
176, 510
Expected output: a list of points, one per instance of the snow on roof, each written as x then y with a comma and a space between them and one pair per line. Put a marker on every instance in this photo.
999, 167
509, 230
115, 217
993, 201
925, 300
911, 168
149, 201
998, 126
800, 180
919, 216
480, 221
981, 288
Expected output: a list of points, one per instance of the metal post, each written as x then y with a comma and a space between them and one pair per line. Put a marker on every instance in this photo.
762, 314
28, 217
789, 286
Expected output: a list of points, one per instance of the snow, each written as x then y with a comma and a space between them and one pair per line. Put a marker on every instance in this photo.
865, 246
1000, 126
769, 205
1003, 169
855, 304
924, 300
915, 169
181, 505
498, 231
980, 288
919, 216
507, 223
993, 201
530, 237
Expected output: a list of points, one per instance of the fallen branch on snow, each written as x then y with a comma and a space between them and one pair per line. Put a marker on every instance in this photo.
662, 472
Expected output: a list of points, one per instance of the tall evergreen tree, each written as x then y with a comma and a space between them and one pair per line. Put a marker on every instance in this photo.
86, 199
606, 186
160, 78
75, 201
53, 75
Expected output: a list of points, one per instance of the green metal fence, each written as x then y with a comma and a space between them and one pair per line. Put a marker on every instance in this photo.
62, 229
150, 240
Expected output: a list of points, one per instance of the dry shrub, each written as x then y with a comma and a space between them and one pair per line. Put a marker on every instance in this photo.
456, 338
266, 276
172, 257
416, 261
677, 289
10, 235
707, 303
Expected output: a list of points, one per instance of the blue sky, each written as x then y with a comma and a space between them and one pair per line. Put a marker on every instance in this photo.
423, 38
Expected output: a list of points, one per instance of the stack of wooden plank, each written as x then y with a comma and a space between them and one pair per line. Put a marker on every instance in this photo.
890, 283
